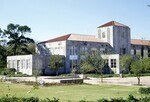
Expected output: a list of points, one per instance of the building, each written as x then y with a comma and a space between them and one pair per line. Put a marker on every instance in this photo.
27, 64
112, 39
140, 47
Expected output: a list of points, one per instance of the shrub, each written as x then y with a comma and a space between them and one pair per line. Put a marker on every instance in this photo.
131, 98
28, 99
143, 90
49, 100
19, 74
2, 70
145, 99
72, 81
102, 100
9, 71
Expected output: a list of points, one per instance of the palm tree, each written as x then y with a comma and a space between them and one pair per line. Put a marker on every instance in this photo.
17, 40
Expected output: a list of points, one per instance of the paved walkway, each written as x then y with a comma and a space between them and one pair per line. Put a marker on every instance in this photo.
120, 81
112, 80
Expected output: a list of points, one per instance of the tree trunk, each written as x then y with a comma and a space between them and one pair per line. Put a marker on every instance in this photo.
83, 76
138, 80
101, 77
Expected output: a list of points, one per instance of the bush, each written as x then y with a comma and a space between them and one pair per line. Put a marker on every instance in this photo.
28, 99
19, 74
143, 90
145, 99
79, 81
8, 71
131, 98
2, 70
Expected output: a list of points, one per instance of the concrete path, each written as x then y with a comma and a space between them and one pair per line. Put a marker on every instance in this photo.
120, 81
112, 80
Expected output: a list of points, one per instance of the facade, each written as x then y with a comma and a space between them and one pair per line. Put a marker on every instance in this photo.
73, 45
26, 63
112, 39
140, 47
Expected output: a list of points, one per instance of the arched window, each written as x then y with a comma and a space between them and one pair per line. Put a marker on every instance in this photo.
108, 31
99, 33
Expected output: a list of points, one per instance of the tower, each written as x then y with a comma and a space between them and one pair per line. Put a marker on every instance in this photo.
117, 35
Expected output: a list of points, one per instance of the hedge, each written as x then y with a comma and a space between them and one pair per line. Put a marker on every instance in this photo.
35, 99
144, 90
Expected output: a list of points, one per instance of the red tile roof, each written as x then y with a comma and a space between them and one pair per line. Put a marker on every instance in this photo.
61, 38
140, 42
86, 38
112, 23
75, 37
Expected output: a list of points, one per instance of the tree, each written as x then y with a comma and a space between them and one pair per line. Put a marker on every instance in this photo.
137, 68
85, 67
93, 62
17, 40
146, 64
56, 62
148, 50
98, 63
125, 62
3, 52
3, 55
31, 47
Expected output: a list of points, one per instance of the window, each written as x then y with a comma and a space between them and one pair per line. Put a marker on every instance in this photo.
23, 63
113, 63
83, 50
13, 63
142, 51
99, 33
102, 50
122, 50
103, 35
28, 63
108, 31
134, 52
73, 64
73, 50
93, 51
18, 65
123, 35
106, 50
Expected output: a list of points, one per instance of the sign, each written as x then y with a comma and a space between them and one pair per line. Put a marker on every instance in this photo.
73, 57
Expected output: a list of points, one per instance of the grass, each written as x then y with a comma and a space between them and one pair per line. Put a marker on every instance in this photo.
70, 92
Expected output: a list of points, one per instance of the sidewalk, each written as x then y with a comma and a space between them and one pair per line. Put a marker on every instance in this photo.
120, 81
145, 81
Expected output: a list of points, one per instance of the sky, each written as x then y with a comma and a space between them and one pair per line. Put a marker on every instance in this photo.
52, 18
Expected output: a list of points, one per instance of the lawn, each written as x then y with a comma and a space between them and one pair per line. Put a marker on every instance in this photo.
70, 92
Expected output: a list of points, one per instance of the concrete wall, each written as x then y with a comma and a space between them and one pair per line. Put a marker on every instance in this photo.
138, 49
26, 63
22, 63
111, 57
117, 36
56, 48
121, 39
90, 46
